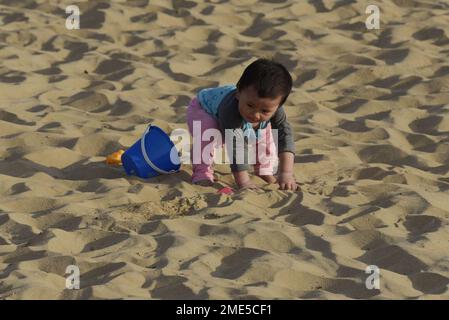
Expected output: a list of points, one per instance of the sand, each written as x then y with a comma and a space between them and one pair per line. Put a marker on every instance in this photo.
371, 118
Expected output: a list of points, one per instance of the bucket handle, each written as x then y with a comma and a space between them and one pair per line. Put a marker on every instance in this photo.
147, 159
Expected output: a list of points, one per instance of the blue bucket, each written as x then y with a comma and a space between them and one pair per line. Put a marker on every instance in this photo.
152, 155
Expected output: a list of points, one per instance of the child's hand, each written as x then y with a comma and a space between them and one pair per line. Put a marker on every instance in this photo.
243, 181
248, 186
287, 181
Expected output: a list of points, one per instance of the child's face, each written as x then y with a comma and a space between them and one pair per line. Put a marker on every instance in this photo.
255, 109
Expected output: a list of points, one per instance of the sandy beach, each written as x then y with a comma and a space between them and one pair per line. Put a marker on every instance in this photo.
370, 111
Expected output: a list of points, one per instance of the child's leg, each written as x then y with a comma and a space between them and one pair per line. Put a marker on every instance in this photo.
202, 169
266, 159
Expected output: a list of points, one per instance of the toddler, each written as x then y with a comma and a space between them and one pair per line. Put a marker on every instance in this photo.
253, 106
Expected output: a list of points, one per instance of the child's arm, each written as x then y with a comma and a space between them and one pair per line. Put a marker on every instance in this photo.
230, 118
286, 148
286, 177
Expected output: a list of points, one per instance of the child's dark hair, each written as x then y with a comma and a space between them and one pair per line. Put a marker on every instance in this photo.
269, 78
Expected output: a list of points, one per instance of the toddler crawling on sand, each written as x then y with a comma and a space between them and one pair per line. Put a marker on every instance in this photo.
255, 107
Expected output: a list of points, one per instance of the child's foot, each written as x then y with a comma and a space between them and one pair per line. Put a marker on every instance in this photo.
269, 179
204, 183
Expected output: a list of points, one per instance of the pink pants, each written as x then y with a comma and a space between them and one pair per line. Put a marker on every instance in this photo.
204, 170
